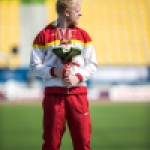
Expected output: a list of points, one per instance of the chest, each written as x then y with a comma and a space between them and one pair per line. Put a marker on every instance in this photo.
57, 37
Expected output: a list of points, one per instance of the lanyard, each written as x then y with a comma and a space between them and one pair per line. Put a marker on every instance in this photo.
66, 37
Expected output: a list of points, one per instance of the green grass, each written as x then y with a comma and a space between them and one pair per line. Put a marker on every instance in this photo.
115, 127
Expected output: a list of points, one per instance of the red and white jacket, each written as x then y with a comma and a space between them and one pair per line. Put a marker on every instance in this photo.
43, 60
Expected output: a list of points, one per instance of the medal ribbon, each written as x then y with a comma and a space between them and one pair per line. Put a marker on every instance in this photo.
65, 38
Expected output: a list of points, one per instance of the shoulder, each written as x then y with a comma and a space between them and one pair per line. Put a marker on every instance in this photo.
84, 34
40, 38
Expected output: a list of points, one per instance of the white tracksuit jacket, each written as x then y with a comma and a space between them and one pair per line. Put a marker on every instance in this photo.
43, 60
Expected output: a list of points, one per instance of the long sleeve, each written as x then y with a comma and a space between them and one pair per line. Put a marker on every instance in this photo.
84, 73
37, 66
37, 57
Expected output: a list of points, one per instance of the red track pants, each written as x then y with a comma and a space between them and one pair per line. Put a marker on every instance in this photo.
59, 108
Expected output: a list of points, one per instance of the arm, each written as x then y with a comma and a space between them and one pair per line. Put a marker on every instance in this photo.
82, 73
85, 72
37, 66
37, 58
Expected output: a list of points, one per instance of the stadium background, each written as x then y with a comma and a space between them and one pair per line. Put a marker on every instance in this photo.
120, 30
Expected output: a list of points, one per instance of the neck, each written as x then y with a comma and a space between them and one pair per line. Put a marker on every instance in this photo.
62, 23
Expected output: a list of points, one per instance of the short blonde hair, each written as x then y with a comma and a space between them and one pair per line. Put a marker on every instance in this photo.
62, 5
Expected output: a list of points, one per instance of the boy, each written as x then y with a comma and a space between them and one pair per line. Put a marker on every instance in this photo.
65, 98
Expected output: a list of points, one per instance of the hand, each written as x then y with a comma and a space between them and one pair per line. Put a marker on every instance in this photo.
70, 81
68, 72
58, 72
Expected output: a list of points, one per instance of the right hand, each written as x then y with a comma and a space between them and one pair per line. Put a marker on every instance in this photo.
59, 71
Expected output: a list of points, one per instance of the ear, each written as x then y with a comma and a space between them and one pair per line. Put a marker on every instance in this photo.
66, 12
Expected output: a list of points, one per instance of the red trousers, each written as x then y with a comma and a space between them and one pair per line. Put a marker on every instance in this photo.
59, 109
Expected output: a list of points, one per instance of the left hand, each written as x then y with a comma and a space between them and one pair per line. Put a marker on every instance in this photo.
70, 81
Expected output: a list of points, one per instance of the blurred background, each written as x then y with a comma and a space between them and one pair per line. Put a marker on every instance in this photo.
120, 30
121, 36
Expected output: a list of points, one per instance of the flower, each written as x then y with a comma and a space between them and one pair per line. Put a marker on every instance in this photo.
65, 48
66, 52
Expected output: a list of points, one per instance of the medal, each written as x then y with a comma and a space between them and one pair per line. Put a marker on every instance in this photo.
64, 40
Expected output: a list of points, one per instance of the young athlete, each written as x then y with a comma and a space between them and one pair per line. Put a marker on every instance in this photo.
65, 95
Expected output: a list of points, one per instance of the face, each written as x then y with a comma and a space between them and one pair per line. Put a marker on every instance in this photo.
74, 13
